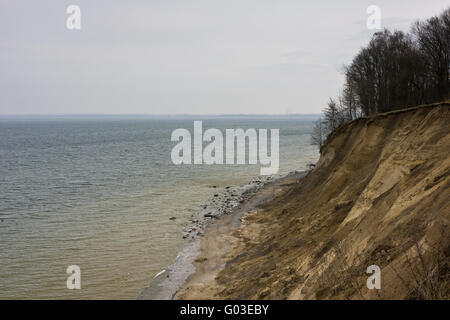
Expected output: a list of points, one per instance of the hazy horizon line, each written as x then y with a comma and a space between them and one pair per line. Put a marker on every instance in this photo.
156, 115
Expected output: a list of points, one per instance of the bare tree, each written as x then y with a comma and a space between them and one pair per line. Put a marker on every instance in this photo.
433, 39
332, 117
318, 135
395, 70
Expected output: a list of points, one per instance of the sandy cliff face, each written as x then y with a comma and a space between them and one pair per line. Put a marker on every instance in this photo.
379, 195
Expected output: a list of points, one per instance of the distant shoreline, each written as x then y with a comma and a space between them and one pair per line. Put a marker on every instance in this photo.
155, 116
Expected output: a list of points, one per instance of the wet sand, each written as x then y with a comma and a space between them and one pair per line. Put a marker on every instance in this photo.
222, 211
220, 240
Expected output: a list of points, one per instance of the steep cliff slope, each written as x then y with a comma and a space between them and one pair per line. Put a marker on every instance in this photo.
379, 195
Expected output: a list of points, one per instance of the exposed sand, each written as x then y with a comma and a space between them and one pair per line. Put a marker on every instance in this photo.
379, 195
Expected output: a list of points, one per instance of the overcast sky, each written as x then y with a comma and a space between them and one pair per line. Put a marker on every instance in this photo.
184, 56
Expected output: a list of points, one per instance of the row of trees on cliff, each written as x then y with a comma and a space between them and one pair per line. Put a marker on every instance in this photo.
395, 70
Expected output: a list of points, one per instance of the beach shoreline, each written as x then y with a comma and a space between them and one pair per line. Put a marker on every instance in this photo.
210, 240
218, 244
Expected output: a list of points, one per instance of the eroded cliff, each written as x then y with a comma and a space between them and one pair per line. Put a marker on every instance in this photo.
379, 195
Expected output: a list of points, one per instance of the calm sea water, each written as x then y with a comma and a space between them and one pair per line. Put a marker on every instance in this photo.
98, 192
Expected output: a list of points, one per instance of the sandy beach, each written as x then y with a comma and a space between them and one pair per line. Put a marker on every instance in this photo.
226, 236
